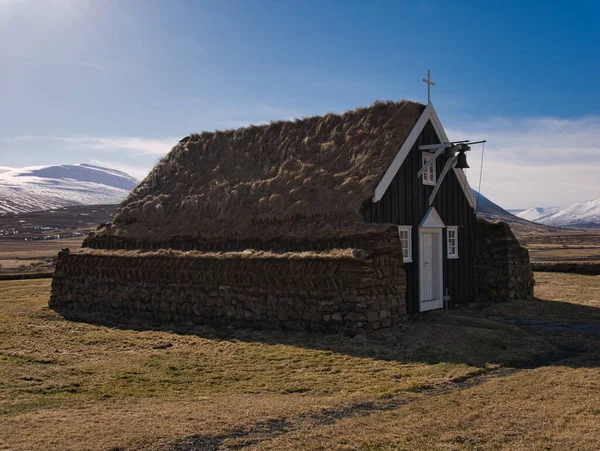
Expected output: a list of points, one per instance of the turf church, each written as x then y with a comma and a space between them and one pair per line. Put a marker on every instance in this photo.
433, 205
339, 222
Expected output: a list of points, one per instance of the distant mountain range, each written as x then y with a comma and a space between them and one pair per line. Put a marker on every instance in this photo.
581, 214
40, 188
493, 212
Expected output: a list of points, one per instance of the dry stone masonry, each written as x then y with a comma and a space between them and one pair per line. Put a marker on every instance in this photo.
350, 290
502, 267
318, 286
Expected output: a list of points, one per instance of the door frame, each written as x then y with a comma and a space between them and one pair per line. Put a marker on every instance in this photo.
432, 223
438, 271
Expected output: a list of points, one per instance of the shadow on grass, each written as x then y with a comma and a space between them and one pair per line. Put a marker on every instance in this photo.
519, 334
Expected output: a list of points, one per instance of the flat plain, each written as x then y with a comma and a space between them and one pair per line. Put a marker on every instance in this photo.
29, 242
514, 375
563, 245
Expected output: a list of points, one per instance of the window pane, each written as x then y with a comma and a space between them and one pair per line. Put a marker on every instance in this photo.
452, 234
404, 234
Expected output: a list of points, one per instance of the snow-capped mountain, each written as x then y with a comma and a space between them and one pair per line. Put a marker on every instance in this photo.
39, 188
492, 212
536, 214
581, 214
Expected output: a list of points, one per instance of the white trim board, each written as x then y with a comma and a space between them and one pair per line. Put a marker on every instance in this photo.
449, 255
432, 219
438, 301
407, 258
387, 178
429, 114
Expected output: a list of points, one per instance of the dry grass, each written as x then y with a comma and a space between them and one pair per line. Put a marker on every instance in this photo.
36, 249
588, 253
32, 256
553, 246
581, 245
92, 383
335, 254
553, 406
261, 182
563, 237
546, 408
556, 296
18, 263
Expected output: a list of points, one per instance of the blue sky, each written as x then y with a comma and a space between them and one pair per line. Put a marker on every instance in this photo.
119, 82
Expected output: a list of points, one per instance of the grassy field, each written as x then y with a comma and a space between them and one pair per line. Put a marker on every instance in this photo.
27, 243
22, 251
565, 245
32, 256
497, 376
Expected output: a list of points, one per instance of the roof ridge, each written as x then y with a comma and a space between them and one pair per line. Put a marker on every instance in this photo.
297, 120
304, 177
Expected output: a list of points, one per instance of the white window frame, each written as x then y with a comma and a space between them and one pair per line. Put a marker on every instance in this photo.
406, 257
430, 175
452, 230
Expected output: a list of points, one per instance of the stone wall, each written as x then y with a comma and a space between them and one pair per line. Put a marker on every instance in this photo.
502, 267
346, 290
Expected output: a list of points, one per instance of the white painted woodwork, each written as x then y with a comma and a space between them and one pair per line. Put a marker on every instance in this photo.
428, 267
432, 219
434, 146
429, 114
391, 172
431, 270
431, 274
452, 242
449, 165
430, 161
429, 176
405, 234
429, 85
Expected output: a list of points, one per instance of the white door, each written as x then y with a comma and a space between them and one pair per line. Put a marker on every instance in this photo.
428, 266
431, 270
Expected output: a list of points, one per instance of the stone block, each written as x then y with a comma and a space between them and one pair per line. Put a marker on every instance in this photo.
175, 289
283, 314
372, 316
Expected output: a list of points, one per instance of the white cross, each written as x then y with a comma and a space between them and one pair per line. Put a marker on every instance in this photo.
429, 85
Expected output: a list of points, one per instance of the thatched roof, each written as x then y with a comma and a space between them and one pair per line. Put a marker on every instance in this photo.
302, 178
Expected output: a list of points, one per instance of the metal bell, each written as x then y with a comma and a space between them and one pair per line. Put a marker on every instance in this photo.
461, 161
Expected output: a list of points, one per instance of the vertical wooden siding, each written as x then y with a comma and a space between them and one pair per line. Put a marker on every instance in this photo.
405, 203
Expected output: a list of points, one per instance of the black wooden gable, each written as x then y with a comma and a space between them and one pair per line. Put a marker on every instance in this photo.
406, 201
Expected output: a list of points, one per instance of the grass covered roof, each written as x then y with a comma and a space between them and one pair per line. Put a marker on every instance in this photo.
304, 178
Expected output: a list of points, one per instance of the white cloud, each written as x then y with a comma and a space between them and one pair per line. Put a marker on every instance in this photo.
529, 162
535, 162
231, 117
134, 155
135, 145
130, 144
139, 172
